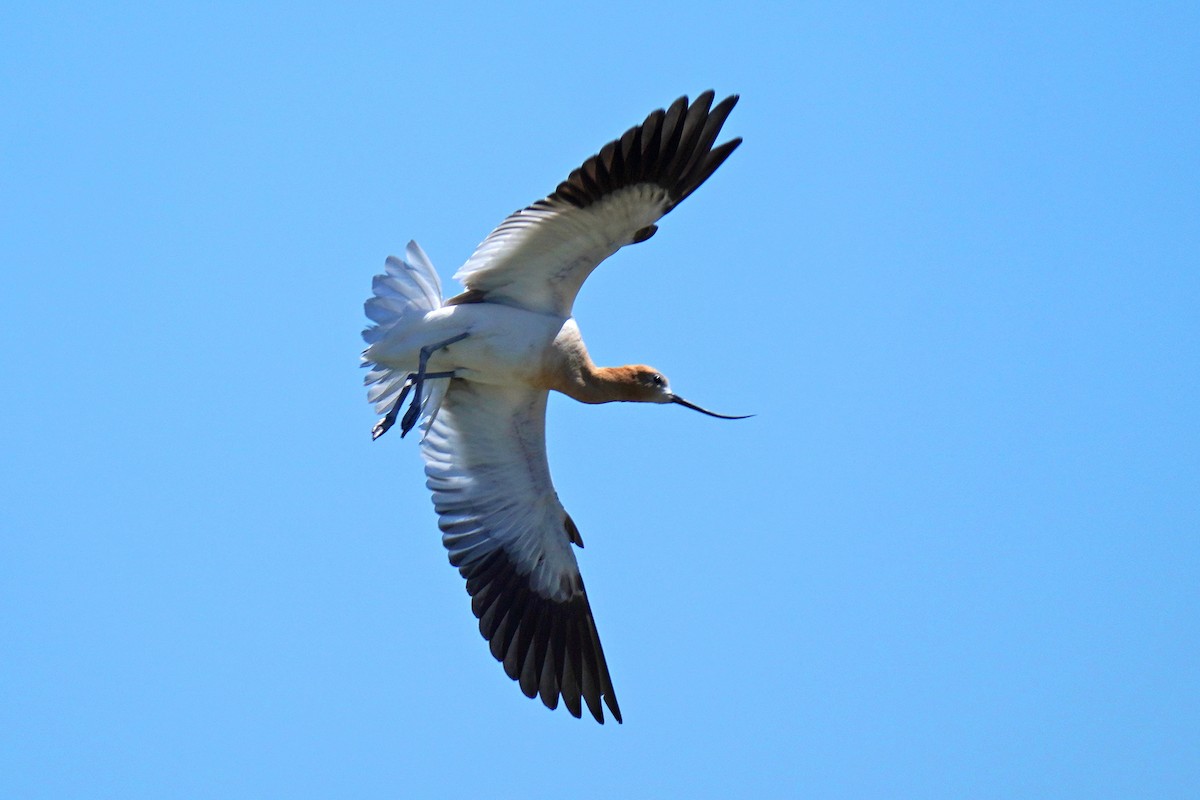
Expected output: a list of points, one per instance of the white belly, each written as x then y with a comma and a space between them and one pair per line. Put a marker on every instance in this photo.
504, 345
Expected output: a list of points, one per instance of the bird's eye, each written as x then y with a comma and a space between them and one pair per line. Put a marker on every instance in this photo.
658, 380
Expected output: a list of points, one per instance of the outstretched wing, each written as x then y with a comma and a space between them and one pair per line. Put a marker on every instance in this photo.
540, 256
510, 537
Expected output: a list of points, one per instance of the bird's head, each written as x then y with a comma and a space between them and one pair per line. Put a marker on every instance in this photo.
645, 384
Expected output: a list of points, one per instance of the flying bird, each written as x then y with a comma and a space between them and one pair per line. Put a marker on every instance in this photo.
479, 367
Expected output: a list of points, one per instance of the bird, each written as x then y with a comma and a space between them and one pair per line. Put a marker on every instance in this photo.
480, 366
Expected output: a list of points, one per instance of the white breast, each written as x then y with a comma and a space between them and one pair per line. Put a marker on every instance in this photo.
504, 346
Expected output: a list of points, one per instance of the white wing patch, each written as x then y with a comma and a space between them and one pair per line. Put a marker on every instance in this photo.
540, 256
485, 458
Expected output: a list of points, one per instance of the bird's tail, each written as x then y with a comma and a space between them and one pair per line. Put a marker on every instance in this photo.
408, 289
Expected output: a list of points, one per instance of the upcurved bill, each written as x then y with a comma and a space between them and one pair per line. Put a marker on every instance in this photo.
677, 399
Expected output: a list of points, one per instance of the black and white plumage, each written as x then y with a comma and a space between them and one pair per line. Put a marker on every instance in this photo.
539, 256
499, 348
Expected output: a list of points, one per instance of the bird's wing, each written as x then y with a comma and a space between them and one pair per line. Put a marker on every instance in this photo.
510, 537
540, 256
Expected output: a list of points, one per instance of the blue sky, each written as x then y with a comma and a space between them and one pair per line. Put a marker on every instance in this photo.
952, 269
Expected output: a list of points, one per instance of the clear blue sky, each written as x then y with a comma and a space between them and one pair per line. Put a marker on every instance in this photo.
953, 270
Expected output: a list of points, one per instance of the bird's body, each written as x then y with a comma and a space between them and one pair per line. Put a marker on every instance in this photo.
480, 366
505, 346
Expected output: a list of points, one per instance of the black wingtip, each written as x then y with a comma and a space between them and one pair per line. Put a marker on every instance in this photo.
550, 648
672, 148
611, 702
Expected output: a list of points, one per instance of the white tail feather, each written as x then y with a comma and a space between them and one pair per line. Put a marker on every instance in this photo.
408, 289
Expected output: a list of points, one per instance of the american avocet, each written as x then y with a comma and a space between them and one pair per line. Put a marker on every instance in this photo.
480, 365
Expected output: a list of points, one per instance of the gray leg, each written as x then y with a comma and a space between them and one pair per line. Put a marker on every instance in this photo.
385, 424
389, 419
414, 410
415, 382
